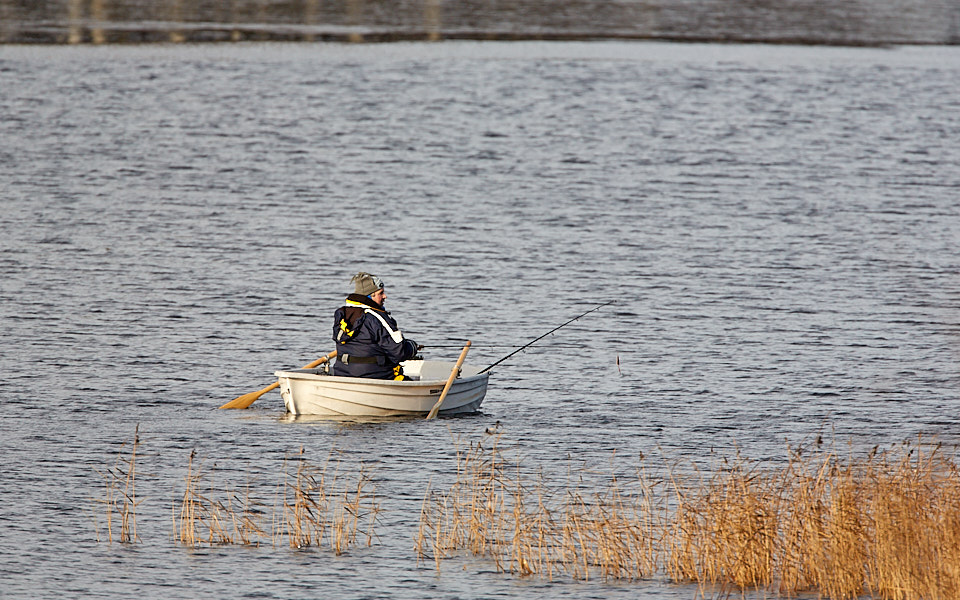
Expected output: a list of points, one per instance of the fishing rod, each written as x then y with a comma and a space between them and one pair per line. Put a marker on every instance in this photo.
486, 345
474, 345
528, 344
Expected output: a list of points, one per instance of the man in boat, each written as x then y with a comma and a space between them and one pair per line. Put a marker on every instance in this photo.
369, 343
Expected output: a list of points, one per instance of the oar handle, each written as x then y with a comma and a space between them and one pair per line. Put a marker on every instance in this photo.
446, 388
319, 361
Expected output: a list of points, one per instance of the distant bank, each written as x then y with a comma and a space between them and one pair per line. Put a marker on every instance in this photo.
835, 22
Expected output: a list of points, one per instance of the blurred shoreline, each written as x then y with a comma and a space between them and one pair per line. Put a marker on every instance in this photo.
808, 22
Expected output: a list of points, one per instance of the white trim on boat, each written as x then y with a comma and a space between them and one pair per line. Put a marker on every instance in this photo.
313, 392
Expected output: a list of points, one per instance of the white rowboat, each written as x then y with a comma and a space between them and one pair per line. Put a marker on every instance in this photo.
314, 392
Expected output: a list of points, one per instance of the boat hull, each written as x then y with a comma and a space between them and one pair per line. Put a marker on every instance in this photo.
312, 392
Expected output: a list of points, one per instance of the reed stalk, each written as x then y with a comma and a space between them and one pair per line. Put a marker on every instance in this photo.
317, 507
308, 509
187, 523
120, 494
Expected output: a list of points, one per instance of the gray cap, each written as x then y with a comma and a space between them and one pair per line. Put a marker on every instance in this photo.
367, 283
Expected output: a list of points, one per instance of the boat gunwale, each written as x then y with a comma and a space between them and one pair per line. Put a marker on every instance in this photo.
320, 374
311, 375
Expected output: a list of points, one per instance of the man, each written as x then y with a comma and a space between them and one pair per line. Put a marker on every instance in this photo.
369, 343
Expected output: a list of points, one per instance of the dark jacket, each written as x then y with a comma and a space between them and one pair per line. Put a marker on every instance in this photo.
363, 330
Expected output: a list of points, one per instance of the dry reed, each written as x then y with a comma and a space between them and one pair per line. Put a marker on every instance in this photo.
204, 519
311, 507
495, 510
316, 505
120, 495
886, 525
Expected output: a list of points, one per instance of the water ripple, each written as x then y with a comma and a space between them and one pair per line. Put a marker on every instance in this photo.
778, 226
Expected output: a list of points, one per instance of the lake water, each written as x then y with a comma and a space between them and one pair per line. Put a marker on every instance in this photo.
779, 226
843, 22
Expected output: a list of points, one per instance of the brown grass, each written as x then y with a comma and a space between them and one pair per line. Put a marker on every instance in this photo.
205, 520
120, 495
527, 528
886, 525
311, 507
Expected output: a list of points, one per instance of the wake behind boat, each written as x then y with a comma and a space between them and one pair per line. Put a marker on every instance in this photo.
315, 392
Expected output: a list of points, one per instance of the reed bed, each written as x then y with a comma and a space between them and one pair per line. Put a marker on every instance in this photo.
528, 528
120, 495
206, 519
311, 506
885, 525
316, 507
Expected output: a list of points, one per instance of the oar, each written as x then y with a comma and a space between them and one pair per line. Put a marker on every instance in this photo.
453, 375
247, 399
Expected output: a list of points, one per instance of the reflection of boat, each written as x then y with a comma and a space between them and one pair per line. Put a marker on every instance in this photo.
314, 392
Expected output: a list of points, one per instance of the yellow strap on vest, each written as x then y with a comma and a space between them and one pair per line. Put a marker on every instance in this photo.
344, 329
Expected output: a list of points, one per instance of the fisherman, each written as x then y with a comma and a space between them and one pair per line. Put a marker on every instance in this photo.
369, 343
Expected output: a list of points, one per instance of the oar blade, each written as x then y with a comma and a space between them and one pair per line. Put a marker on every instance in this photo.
243, 401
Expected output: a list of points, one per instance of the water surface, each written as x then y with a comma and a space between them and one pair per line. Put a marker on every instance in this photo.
778, 224
840, 22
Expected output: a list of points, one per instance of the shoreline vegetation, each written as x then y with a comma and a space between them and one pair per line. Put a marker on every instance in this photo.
821, 521
883, 526
312, 505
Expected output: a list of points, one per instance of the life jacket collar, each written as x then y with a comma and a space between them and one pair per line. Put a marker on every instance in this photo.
364, 301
